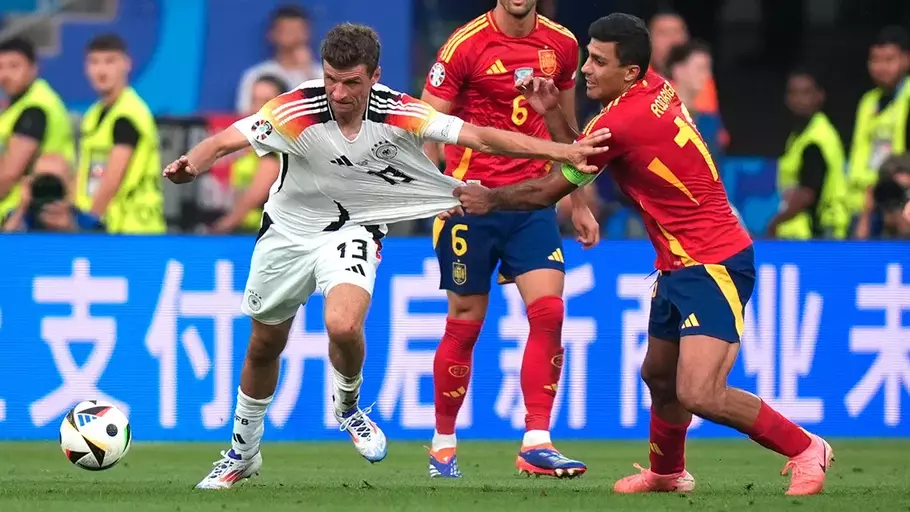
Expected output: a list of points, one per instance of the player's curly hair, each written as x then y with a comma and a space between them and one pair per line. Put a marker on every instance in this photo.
349, 45
633, 41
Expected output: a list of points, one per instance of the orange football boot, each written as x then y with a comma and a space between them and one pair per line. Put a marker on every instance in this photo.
649, 481
809, 469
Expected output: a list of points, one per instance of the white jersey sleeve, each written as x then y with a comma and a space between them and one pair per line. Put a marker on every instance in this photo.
443, 128
415, 116
279, 125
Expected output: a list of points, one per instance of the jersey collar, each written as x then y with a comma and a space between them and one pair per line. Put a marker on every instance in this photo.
492, 20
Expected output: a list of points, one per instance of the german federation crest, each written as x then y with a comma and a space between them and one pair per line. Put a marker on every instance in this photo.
548, 62
262, 129
254, 301
459, 273
385, 150
522, 73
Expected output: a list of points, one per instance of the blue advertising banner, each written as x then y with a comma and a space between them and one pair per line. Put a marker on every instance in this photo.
153, 324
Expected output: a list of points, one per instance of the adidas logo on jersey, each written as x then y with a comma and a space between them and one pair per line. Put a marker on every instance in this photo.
557, 256
357, 269
497, 68
342, 161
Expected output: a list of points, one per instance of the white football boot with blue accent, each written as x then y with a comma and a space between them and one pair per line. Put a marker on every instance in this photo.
368, 438
231, 469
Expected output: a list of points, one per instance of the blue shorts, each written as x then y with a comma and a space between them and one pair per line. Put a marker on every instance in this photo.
706, 300
470, 247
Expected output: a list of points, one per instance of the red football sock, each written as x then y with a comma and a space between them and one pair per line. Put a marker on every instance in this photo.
542, 361
777, 433
452, 371
668, 445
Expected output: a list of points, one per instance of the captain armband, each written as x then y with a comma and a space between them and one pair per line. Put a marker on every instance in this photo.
576, 177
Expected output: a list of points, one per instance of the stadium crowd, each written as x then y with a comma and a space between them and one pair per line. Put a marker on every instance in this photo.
105, 174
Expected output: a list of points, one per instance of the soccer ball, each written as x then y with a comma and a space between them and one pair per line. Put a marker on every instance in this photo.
95, 435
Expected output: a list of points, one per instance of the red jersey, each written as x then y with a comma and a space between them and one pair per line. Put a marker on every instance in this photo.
477, 69
662, 164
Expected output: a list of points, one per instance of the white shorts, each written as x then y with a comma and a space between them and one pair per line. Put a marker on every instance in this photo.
285, 271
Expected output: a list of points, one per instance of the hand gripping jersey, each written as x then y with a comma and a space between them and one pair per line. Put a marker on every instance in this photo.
328, 182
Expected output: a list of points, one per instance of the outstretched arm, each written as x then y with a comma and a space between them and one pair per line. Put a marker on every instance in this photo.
532, 194
501, 142
527, 195
201, 158
447, 129
207, 152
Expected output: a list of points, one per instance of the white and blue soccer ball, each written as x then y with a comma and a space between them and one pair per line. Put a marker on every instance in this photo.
95, 435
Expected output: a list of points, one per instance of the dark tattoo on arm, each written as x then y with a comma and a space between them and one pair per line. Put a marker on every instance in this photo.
532, 194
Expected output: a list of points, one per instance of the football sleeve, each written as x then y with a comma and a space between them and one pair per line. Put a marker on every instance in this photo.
277, 127
449, 73
568, 69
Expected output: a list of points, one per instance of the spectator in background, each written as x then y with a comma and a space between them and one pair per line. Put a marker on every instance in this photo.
881, 127
35, 123
669, 30
689, 70
119, 173
45, 202
892, 194
252, 176
810, 174
293, 61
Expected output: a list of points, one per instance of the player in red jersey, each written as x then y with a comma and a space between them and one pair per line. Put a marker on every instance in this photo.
474, 78
704, 257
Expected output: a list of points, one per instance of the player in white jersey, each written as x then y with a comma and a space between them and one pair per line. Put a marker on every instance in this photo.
352, 160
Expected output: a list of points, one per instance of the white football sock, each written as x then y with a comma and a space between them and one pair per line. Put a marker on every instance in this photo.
249, 423
441, 441
346, 391
536, 437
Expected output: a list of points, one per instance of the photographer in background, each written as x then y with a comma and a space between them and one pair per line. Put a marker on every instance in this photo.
882, 126
892, 195
45, 205
34, 123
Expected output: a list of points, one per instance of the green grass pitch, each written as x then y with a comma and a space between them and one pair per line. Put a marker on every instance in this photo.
868, 475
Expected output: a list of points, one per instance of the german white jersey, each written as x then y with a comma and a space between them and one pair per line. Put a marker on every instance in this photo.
328, 182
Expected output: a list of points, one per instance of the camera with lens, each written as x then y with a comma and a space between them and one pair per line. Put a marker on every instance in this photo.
891, 191
45, 189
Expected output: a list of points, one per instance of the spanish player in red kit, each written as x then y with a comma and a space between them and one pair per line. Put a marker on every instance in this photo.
704, 256
474, 78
